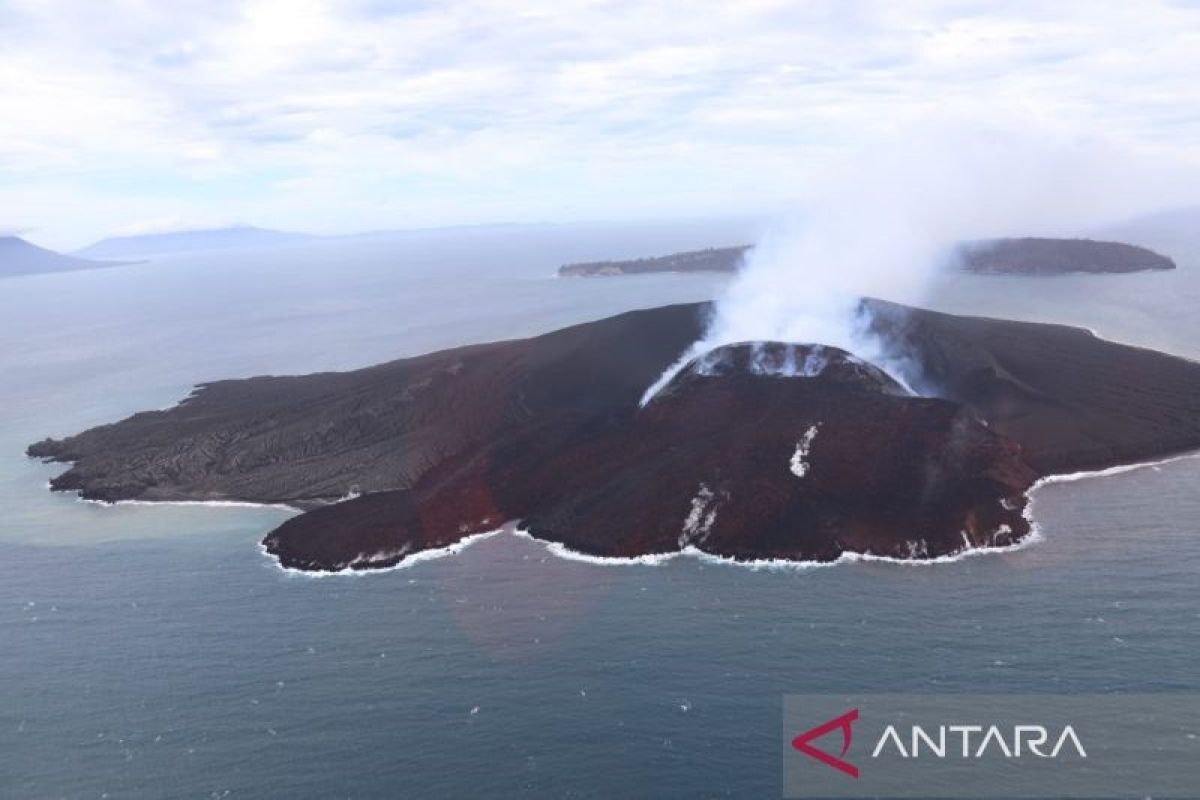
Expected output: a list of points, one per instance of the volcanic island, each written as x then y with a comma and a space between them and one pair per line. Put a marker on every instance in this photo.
757, 450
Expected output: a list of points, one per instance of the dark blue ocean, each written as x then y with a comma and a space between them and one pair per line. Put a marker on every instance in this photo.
155, 652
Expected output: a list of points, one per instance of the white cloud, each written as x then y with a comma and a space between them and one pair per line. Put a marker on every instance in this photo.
344, 114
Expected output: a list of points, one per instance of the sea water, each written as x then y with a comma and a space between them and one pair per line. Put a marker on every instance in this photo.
154, 651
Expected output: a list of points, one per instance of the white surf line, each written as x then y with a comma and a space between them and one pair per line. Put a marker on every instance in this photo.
349, 495
208, 503
848, 557
418, 557
559, 550
1069, 477
659, 559
1096, 334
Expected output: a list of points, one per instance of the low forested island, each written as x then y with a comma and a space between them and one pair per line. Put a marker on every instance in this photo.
1032, 256
758, 450
1023, 256
712, 259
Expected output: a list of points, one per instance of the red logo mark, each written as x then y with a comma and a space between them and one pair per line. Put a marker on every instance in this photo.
843, 722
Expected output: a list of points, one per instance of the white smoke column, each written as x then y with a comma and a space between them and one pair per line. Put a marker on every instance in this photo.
882, 224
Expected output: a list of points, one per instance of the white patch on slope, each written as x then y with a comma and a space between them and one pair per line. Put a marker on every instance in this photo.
814, 362
917, 549
797, 464
382, 556
353, 493
700, 518
788, 365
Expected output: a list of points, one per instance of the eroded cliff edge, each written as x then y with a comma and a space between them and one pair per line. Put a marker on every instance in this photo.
761, 450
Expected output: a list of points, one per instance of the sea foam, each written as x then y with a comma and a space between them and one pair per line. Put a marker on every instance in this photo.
418, 557
560, 550
208, 503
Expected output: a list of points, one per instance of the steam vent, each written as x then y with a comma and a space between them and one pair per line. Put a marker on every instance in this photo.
764, 450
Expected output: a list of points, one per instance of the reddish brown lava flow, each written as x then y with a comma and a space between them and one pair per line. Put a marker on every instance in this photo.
761, 450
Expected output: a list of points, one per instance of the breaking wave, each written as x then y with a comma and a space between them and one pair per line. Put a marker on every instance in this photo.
777, 564
419, 557
560, 550
209, 503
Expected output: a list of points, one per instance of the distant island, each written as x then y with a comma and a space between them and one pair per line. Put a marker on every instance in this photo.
1024, 256
713, 259
757, 450
1032, 256
190, 241
19, 257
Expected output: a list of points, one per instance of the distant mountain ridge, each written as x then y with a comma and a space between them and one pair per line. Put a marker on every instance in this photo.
151, 244
1173, 227
19, 257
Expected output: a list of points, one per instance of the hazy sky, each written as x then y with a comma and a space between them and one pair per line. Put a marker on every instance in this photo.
127, 116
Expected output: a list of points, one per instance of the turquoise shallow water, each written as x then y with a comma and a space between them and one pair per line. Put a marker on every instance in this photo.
154, 652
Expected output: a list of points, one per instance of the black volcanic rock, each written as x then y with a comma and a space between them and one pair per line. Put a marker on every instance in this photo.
1032, 256
1074, 401
736, 463
312, 439
755, 450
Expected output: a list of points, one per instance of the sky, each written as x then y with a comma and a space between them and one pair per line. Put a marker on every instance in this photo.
330, 116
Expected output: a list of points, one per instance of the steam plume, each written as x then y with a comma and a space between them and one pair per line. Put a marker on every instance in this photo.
881, 224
